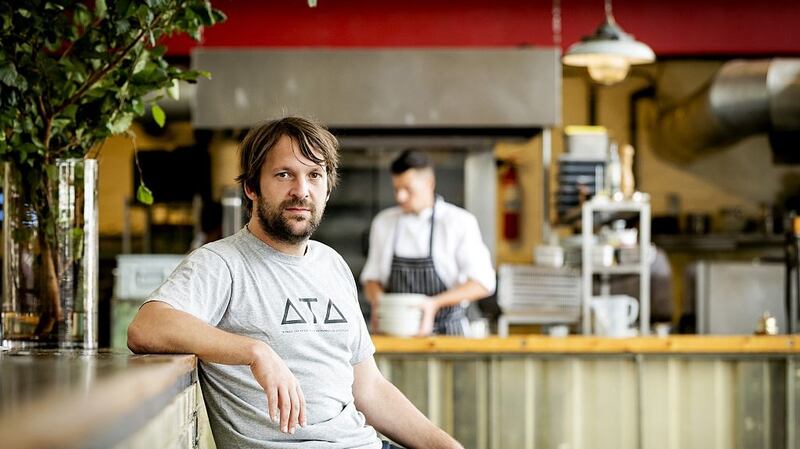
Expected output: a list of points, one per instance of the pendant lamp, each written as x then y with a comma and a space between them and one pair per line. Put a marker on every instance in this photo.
609, 52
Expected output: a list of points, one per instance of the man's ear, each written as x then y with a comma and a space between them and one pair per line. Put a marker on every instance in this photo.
249, 192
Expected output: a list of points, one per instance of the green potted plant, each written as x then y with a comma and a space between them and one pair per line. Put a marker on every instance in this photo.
72, 73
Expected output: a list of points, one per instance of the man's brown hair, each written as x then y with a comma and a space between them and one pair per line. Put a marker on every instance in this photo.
310, 137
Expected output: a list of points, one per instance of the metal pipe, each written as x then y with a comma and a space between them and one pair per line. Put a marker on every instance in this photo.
743, 98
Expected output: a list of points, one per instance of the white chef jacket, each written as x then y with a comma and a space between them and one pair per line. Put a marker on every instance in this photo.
459, 253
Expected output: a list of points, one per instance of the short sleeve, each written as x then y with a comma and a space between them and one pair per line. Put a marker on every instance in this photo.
473, 257
376, 268
200, 286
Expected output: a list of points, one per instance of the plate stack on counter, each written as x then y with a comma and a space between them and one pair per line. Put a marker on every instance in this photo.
399, 314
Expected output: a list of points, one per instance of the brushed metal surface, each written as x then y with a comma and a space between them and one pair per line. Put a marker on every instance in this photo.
405, 88
743, 98
599, 401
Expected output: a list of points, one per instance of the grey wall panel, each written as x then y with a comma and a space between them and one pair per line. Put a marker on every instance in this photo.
458, 88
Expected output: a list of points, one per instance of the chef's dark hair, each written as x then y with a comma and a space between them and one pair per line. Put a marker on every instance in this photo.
409, 159
310, 137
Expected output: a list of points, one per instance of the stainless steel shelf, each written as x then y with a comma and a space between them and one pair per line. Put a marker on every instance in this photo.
617, 269
603, 206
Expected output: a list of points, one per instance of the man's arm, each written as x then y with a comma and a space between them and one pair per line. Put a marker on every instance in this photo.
392, 414
373, 290
468, 291
160, 328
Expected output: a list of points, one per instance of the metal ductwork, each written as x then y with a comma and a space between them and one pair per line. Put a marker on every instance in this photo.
743, 98
400, 89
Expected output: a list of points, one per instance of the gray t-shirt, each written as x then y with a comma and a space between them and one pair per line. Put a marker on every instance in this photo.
306, 309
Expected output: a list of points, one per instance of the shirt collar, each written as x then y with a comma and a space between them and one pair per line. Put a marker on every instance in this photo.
426, 213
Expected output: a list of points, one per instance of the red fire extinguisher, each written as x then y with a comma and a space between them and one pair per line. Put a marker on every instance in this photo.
512, 204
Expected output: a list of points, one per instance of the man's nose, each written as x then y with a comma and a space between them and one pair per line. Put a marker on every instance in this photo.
401, 196
300, 188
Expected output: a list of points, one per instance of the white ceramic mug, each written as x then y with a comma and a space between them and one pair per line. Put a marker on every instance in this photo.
613, 315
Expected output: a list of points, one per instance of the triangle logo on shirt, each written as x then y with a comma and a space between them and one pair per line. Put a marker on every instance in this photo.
296, 317
329, 319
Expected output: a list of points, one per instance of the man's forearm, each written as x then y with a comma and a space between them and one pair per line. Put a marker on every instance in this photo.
468, 291
159, 328
373, 291
393, 415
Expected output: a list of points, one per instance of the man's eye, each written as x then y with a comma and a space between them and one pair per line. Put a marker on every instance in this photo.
316, 175
282, 174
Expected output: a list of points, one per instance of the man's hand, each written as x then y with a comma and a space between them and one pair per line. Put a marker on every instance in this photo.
373, 318
373, 290
284, 394
429, 309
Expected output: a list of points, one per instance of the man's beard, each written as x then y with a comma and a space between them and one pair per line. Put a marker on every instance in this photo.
277, 226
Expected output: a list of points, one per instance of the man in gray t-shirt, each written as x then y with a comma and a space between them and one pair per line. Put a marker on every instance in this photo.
285, 357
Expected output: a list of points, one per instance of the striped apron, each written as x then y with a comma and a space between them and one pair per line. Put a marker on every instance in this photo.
418, 275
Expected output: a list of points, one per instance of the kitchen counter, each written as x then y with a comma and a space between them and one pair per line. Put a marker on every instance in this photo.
677, 344
54, 399
687, 391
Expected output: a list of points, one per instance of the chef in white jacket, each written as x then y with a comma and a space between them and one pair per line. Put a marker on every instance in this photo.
426, 245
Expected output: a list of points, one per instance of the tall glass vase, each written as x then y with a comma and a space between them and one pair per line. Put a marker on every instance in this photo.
50, 263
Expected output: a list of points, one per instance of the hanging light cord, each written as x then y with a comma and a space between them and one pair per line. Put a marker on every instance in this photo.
556, 14
609, 14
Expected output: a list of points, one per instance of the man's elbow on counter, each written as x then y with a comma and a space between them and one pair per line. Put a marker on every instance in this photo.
137, 337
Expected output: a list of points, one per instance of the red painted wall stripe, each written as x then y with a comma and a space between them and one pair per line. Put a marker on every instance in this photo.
672, 28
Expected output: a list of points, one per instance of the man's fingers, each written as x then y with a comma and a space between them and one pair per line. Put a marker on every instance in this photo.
302, 414
373, 320
285, 405
272, 403
295, 410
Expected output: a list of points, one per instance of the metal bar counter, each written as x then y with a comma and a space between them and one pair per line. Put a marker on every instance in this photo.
677, 392
66, 399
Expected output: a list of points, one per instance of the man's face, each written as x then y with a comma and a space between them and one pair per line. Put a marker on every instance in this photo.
294, 191
413, 189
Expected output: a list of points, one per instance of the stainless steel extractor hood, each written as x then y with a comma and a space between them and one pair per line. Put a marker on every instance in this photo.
382, 89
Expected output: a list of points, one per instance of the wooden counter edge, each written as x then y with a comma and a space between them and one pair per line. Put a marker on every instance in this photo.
69, 419
679, 344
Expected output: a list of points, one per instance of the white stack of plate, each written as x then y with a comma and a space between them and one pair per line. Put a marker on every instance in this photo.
399, 314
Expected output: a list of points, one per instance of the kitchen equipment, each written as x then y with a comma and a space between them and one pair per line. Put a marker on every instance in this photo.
603, 255
698, 224
580, 177
135, 278
731, 296
537, 295
614, 315
137, 275
662, 329
478, 328
767, 325
604, 210
548, 256
558, 331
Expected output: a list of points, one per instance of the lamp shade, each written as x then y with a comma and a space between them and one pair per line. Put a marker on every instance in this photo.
608, 53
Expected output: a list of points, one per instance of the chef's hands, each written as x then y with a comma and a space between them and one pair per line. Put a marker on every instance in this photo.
429, 309
285, 400
373, 291
373, 318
